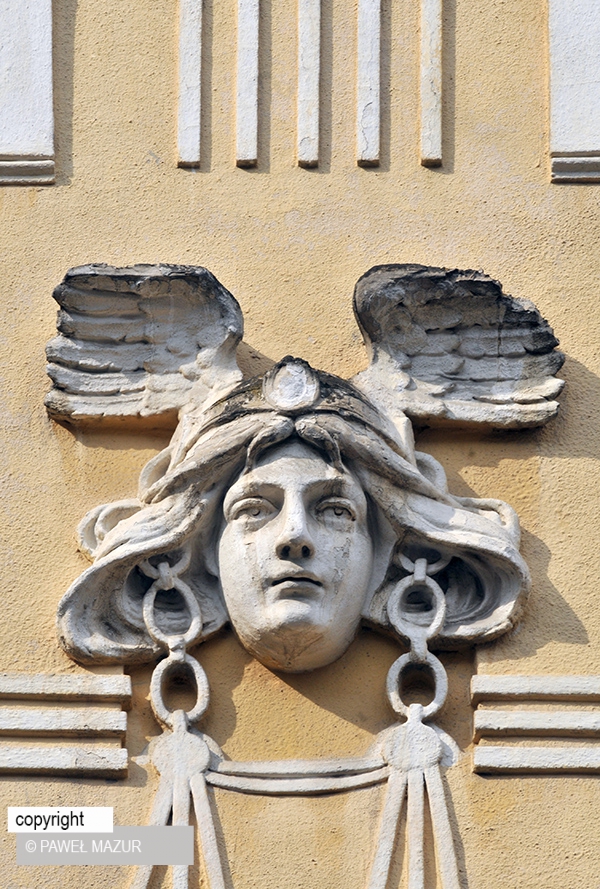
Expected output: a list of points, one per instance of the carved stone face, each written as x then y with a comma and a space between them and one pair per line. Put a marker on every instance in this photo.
295, 558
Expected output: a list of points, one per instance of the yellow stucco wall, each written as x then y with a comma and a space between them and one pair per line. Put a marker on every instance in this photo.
290, 243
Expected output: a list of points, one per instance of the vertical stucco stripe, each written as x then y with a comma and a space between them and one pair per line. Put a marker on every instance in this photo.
431, 83
575, 90
247, 83
368, 86
190, 68
309, 68
26, 99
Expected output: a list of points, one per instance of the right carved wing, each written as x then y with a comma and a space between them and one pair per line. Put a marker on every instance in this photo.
141, 342
449, 347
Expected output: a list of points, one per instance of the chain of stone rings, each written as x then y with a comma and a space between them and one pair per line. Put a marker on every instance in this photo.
413, 751
167, 577
418, 581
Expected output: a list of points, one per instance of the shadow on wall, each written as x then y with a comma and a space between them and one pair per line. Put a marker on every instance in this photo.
206, 86
548, 617
574, 433
448, 88
63, 29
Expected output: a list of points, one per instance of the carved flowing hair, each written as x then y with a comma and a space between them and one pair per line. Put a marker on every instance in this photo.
411, 514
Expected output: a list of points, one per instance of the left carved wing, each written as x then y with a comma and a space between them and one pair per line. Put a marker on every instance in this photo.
450, 346
141, 341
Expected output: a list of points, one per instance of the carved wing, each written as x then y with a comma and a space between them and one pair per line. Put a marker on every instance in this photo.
450, 346
141, 341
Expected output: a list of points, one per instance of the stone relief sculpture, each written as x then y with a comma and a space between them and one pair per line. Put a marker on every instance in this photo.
294, 506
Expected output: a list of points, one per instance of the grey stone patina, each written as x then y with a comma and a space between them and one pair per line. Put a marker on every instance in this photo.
294, 506
295, 558
140, 342
445, 346
449, 347
194, 514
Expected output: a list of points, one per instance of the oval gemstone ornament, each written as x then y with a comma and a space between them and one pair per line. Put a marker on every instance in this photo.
293, 386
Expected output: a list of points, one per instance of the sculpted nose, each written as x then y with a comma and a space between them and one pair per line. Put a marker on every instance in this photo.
294, 540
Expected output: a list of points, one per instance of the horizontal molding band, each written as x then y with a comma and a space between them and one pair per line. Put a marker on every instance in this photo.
62, 721
27, 171
541, 688
489, 723
490, 760
93, 762
581, 168
40, 686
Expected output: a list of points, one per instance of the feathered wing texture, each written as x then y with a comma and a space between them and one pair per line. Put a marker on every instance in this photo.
141, 342
450, 346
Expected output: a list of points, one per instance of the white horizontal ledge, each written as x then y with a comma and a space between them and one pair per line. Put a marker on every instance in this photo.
583, 168
23, 171
93, 762
490, 760
62, 721
541, 688
40, 686
490, 723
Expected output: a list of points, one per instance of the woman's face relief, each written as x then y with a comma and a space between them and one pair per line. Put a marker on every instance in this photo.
295, 558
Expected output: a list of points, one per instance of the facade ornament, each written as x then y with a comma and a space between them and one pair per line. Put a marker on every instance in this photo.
294, 506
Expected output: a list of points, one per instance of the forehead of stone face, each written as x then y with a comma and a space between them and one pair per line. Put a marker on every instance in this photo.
296, 464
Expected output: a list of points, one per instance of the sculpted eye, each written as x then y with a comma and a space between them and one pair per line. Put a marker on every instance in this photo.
251, 508
338, 509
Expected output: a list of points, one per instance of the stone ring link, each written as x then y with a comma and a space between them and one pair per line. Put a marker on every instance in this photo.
418, 635
423, 566
160, 676
181, 641
164, 571
393, 684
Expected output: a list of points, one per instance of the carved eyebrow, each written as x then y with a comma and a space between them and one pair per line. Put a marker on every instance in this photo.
247, 487
331, 486
251, 488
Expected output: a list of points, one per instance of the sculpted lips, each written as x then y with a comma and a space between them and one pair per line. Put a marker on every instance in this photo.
304, 582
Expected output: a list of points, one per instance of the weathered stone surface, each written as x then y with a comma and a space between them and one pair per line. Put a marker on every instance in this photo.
294, 509
141, 342
448, 346
516, 721
90, 761
45, 687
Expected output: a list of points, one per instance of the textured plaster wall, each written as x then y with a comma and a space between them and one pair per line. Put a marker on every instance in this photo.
290, 243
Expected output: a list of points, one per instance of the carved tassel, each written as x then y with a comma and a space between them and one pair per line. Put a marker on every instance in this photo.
389, 828
414, 750
442, 832
180, 756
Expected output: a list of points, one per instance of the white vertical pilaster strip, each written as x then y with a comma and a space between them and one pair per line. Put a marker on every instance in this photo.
309, 71
26, 97
369, 83
247, 83
431, 83
190, 80
575, 90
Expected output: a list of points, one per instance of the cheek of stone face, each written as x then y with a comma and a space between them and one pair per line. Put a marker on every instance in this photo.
240, 574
